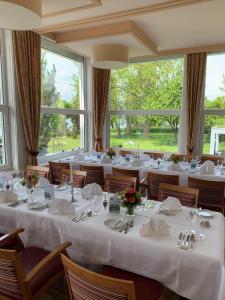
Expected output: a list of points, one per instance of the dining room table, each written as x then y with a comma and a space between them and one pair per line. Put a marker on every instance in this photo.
197, 273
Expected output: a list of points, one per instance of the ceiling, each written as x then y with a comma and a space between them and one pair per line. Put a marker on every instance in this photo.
146, 27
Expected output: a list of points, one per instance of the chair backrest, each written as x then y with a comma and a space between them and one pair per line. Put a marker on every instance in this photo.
56, 169
11, 275
214, 158
40, 171
116, 183
127, 172
85, 284
154, 179
211, 193
186, 195
154, 155
127, 152
79, 177
95, 174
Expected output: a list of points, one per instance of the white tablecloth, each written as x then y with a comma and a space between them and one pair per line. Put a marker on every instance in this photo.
197, 275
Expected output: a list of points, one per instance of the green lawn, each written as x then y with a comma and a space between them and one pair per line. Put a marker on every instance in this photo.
57, 144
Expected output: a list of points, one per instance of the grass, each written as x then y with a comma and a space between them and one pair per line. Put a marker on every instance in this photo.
58, 144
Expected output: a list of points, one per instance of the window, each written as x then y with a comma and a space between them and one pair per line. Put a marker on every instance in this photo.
63, 107
214, 105
145, 105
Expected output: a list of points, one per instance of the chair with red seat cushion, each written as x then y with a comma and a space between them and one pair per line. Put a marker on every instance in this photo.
145, 288
27, 274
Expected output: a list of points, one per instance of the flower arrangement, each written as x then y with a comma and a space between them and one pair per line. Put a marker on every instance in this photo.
175, 158
110, 152
30, 180
130, 198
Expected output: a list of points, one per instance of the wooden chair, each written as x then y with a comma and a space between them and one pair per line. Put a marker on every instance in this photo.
153, 181
79, 177
55, 169
40, 171
85, 284
154, 155
187, 196
116, 183
25, 275
129, 173
211, 193
214, 158
11, 240
127, 152
95, 174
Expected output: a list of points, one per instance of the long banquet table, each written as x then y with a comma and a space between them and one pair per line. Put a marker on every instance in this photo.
197, 275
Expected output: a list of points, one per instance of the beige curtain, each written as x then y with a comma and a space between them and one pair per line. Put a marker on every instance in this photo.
101, 81
196, 67
27, 53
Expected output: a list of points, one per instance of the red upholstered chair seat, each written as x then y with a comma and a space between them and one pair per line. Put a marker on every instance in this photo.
145, 288
30, 257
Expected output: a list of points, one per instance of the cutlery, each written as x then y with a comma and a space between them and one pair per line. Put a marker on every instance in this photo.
78, 217
131, 224
183, 241
88, 214
15, 204
166, 213
122, 227
150, 204
117, 223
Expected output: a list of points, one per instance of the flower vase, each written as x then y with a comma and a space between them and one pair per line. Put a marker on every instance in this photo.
130, 211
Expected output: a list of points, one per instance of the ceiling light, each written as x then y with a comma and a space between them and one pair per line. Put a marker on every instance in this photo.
20, 14
110, 56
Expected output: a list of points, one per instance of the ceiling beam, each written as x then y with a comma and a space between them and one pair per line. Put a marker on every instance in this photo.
170, 4
106, 30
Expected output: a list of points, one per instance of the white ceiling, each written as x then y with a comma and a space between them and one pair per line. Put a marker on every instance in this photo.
197, 24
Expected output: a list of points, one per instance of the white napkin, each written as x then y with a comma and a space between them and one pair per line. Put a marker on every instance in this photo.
61, 206
154, 227
137, 162
8, 197
78, 157
77, 151
106, 160
43, 182
90, 190
208, 167
174, 167
172, 204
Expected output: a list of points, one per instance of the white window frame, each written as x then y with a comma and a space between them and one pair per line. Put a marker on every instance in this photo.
4, 107
50, 46
158, 112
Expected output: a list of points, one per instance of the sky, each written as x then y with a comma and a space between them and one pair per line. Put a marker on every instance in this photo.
65, 68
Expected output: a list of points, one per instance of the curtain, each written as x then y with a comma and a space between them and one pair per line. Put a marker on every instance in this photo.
101, 81
27, 53
196, 68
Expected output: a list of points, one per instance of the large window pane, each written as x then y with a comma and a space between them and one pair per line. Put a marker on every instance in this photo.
150, 132
214, 135
215, 82
60, 81
60, 133
148, 85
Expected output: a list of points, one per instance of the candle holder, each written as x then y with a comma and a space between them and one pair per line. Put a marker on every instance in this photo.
72, 196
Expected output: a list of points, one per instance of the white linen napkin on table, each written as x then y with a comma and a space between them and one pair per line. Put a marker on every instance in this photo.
208, 167
155, 227
61, 206
171, 203
90, 190
8, 197
43, 182
137, 162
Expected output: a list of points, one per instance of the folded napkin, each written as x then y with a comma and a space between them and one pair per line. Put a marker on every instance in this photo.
90, 190
8, 197
172, 204
78, 157
137, 162
61, 206
43, 182
174, 167
106, 160
154, 227
208, 167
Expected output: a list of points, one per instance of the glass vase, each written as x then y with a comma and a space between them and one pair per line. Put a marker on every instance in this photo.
130, 211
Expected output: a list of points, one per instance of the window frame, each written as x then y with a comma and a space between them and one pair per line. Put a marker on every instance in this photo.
158, 112
57, 49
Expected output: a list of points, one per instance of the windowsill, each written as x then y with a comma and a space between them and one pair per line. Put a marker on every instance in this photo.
43, 160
